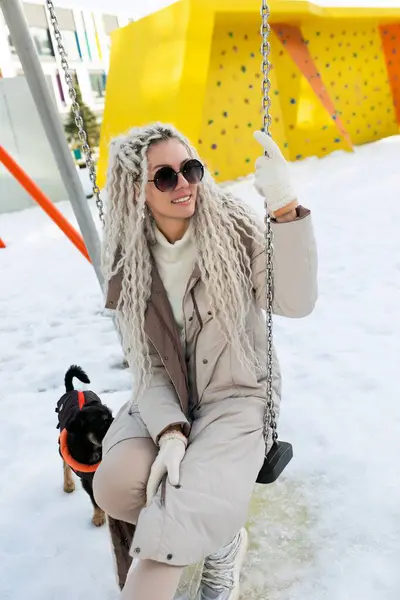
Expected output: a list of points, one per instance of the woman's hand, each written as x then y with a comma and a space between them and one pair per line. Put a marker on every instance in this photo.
172, 450
272, 180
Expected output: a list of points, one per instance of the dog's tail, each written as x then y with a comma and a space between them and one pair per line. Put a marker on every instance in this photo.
74, 371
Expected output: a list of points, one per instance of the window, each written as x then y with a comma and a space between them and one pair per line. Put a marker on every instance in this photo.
98, 83
60, 88
10, 42
110, 23
42, 41
70, 40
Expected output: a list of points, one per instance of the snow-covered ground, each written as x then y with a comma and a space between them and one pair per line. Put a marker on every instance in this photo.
329, 529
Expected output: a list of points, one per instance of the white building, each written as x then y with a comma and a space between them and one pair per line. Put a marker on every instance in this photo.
86, 37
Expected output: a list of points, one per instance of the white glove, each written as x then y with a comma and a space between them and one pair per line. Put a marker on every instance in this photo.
172, 450
272, 176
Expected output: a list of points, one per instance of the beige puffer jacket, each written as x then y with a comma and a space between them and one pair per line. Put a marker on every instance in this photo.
226, 447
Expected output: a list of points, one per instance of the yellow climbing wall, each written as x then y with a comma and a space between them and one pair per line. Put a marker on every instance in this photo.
310, 129
330, 79
350, 58
232, 109
352, 67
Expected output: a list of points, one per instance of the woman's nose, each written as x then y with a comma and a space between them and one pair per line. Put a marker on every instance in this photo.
182, 182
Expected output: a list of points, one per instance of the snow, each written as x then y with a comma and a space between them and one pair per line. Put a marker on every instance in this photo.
330, 527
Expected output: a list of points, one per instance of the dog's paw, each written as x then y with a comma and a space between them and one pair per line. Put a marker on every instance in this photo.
69, 487
99, 517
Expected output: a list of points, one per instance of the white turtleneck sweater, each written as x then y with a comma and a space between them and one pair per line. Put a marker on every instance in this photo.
175, 264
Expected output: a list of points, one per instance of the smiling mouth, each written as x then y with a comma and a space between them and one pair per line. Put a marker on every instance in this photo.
183, 200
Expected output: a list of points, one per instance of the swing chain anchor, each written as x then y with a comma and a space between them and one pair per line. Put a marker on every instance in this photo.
75, 108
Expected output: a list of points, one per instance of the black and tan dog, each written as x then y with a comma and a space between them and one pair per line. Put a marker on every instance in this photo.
83, 421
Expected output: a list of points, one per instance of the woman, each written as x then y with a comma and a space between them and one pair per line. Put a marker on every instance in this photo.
185, 263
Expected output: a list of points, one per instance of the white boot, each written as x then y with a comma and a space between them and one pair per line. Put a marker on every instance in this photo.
221, 573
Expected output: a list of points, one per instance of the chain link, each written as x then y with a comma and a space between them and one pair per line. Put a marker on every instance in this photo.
76, 109
269, 414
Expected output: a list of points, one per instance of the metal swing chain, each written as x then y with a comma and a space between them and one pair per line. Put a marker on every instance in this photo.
76, 109
269, 413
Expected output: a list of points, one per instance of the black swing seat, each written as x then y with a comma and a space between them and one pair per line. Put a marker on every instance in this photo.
275, 462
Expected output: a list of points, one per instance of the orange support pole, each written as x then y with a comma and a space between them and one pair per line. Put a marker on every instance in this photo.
2, 244
43, 201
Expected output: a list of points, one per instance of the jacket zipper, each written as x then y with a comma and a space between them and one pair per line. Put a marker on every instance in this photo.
196, 404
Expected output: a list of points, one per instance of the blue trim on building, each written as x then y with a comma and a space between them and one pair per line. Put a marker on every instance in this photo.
88, 45
78, 44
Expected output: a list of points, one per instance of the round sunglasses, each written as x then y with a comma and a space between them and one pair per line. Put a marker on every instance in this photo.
166, 179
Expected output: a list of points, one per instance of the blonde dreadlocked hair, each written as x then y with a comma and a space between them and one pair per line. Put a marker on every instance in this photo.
220, 221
